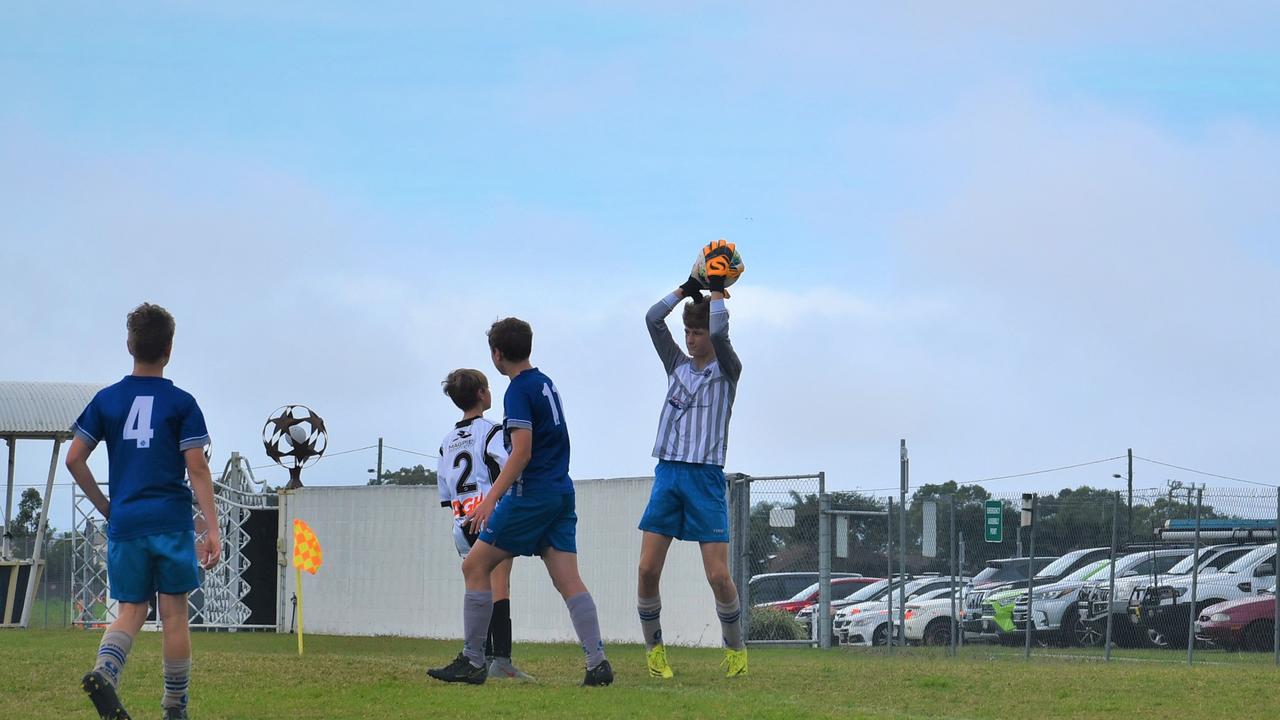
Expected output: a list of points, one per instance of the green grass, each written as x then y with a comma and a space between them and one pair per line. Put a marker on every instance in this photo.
53, 613
261, 676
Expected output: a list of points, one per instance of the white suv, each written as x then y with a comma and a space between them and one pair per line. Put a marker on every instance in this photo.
867, 622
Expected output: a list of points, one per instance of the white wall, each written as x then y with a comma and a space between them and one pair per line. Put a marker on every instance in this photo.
390, 568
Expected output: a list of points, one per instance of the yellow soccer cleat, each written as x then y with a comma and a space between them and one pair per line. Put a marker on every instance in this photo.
658, 666
736, 660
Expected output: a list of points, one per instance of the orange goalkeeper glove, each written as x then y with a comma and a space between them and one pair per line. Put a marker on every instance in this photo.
716, 257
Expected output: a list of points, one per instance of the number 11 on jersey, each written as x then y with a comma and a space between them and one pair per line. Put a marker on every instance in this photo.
553, 399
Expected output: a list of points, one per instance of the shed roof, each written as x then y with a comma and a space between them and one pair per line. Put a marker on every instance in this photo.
42, 410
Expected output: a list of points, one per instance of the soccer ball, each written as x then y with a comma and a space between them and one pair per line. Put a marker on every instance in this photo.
294, 436
736, 267
298, 435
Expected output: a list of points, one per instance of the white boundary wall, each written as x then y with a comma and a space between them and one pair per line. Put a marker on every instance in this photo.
390, 568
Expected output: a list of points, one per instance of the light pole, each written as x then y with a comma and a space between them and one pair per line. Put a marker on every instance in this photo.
1129, 518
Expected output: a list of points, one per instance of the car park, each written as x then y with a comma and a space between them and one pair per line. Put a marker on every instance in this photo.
1094, 596
868, 622
1057, 606
772, 587
840, 588
989, 610
1161, 613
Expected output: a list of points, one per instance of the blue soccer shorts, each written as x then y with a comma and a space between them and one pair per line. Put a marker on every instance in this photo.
528, 524
140, 567
688, 503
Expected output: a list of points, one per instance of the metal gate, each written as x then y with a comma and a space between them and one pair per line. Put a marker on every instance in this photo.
230, 595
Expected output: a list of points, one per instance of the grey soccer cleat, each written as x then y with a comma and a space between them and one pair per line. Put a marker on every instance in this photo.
175, 713
103, 696
502, 668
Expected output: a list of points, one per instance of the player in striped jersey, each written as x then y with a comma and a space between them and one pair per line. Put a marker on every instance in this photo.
688, 497
471, 456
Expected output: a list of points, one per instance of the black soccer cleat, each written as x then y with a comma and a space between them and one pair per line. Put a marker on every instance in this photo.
103, 696
175, 713
599, 675
461, 670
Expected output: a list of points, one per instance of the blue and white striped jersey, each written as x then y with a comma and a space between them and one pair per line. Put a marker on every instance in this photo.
694, 424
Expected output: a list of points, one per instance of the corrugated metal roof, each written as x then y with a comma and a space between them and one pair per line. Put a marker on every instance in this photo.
42, 409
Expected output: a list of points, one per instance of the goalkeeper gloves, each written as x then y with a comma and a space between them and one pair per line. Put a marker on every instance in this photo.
693, 289
716, 257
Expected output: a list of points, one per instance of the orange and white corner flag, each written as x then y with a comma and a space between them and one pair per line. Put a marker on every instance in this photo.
307, 554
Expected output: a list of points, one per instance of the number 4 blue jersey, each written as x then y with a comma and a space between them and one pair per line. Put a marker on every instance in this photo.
532, 403
147, 424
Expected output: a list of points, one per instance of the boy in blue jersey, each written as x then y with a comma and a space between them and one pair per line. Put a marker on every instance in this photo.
154, 434
535, 516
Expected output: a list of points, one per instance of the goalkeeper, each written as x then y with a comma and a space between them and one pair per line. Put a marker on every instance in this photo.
688, 497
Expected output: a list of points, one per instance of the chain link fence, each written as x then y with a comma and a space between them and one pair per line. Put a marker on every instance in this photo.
1177, 574
52, 608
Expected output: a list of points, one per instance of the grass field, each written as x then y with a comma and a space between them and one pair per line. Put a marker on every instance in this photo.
261, 676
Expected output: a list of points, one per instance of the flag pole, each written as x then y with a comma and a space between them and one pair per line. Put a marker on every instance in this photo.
298, 570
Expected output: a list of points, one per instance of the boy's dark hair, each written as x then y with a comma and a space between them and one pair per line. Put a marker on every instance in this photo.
697, 315
512, 337
150, 333
463, 387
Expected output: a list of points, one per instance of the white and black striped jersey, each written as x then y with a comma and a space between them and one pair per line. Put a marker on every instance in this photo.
471, 456
694, 425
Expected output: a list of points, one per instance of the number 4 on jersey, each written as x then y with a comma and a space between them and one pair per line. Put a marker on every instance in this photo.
138, 425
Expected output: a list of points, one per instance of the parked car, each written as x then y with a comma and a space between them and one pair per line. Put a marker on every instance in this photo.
1054, 606
840, 587
868, 623
1094, 595
772, 587
996, 576
1162, 612
840, 597
1242, 624
928, 621
1057, 606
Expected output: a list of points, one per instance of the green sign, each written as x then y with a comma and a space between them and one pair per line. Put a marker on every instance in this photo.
993, 521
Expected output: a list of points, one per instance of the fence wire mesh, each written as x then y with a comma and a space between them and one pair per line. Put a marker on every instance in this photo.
1155, 592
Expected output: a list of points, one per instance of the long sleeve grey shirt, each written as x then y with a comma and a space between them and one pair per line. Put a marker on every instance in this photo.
694, 424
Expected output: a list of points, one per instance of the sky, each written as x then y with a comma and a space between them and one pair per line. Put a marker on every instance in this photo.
1019, 236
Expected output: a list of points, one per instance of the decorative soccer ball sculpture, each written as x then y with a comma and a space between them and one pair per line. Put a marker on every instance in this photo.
295, 437
735, 269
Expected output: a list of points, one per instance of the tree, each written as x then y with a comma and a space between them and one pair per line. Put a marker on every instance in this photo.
416, 475
28, 518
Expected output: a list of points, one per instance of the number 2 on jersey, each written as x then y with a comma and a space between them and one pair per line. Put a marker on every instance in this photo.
463, 487
552, 397
138, 425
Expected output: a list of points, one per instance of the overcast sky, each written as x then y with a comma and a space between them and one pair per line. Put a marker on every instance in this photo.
1018, 235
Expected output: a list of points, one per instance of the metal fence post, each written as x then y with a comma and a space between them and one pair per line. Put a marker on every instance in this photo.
888, 554
740, 494
905, 471
1031, 579
1195, 588
951, 542
822, 618
1111, 579
960, 562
